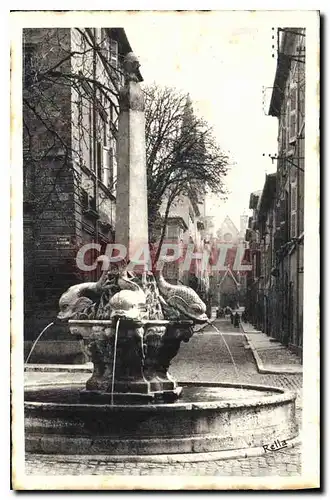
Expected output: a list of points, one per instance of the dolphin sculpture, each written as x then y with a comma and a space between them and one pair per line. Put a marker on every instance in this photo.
78, 297
183, 298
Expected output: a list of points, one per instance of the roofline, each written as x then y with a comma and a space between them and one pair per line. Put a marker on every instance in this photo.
269, 186
177, 218
282, 71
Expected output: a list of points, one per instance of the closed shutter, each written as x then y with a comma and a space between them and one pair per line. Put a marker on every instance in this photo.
292, 128
257, 264
84, 199
104, 44
99, 160
283, 128
286, 126
106, 167
114, 54
293, 216
113, 166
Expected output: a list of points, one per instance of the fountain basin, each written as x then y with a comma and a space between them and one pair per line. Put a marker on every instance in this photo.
209, 417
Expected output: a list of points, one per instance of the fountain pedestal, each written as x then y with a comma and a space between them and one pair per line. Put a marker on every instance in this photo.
136, 364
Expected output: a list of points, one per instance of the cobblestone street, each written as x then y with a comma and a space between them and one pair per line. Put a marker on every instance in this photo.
204, 358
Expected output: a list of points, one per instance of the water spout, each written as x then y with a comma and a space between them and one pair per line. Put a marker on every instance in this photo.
228, 349
37, 339
114, 361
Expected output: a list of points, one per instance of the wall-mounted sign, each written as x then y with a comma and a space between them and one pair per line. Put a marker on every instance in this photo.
63, 241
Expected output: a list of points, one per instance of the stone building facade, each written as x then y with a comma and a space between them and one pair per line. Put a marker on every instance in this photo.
70, 113
229, 285
281, 205
260, 235
185, 227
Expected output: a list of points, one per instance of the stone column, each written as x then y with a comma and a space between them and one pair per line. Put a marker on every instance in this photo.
131, 203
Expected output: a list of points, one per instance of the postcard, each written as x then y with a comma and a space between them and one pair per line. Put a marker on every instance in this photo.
164, 250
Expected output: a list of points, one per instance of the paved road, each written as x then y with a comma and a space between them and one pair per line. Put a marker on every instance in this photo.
204, 358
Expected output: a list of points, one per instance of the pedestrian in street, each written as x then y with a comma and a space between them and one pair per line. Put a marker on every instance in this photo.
236, 320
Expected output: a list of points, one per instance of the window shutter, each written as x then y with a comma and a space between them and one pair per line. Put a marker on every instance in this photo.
99, 160
114, 53
104, 43
257, 264
286, 217
106, 167
286, 126
292, 129
293, 216
84, 199
112, 165
284, 133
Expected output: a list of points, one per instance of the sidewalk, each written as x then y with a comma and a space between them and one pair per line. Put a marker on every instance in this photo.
270, 355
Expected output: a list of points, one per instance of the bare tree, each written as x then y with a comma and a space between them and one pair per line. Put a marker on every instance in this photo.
183, 156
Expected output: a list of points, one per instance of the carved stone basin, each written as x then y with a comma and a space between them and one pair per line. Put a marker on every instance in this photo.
208, 417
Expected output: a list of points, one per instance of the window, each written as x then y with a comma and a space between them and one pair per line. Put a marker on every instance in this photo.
283, 134
80, 125
285, 125
256, 264
99, 160
113, 165
113, 53
104, 43
84, 199
105, 133
228, 237
293, 211
111, 112
172, 231
108, 167
292, 116
87, 201
282, 167
90, 134
106, 153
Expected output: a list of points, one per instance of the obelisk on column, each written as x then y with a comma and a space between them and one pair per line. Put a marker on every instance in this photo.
131, 203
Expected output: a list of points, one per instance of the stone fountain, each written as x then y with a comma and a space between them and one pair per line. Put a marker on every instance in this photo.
133, 323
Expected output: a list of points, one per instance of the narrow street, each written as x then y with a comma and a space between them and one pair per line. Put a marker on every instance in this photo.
203, 358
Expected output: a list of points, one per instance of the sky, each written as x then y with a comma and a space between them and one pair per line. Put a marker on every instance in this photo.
223, 60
